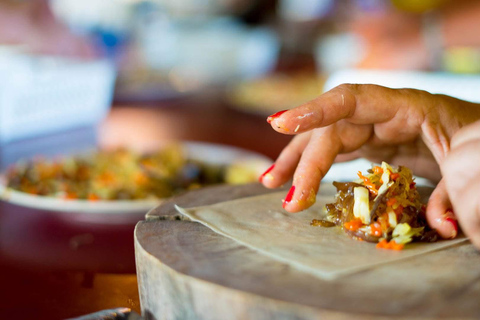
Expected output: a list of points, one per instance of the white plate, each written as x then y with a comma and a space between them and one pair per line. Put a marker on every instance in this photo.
204, 152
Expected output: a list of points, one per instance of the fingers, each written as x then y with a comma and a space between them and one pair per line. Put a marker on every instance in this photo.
284, 167
462, 176
440, 214
361, 104
467, 209
316, 160
466, 134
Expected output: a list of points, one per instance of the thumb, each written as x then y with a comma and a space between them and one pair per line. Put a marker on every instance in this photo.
440, 214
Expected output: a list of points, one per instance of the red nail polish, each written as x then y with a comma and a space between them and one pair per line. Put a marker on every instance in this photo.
455, 226
266, 172
275, 115
449, 214
289, 196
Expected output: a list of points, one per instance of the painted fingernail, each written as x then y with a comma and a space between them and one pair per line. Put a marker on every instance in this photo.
289, 196
449, 214
275, 115
454, 227
267, 174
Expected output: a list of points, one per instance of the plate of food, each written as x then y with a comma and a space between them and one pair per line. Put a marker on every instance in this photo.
121, 181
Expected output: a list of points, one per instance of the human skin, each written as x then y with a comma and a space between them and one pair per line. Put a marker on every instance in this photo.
461, 173
401, 126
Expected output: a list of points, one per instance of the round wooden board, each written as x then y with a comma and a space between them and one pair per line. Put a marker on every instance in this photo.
186, 271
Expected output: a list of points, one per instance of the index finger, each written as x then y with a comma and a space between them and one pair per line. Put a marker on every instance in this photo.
358, 103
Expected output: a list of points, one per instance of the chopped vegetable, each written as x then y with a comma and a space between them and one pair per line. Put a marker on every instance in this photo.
377, 170
403, 233
353, 225
392, 245
361, 207
117, 174
395, 176
366, 181
392, 217
384, 207
376, 229
391, 202
385, 179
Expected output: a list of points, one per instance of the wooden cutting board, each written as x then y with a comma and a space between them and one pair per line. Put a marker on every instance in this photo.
186, 271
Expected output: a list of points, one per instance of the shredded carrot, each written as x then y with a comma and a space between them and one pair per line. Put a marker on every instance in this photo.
93, 197
140, 178
394, 176
371, 186
353, 225
392, 245
376, 229
391, 202
382, 244
71, 196
377, 170
396, 246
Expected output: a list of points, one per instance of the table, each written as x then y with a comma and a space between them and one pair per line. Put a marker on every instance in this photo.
187, 271
54, 268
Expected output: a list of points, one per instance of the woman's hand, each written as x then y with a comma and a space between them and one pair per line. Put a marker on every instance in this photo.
405, 126
461, 171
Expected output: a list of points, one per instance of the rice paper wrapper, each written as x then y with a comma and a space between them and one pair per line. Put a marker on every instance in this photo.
261, 224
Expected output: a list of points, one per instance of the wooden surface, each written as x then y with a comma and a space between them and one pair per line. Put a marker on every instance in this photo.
186, 271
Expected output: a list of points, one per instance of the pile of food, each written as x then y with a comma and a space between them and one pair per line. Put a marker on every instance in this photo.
115, 175
383, 206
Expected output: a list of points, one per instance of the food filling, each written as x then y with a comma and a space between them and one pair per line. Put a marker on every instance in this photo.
119, 175
382, 206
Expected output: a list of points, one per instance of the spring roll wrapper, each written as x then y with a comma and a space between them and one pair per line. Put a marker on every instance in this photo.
260, 223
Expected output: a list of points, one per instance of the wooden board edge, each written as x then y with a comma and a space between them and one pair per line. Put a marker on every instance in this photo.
166, 293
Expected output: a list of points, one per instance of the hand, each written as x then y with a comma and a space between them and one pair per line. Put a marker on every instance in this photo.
405, 126
461, 173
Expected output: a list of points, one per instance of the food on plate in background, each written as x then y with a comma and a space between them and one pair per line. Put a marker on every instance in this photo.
383, 206
118, 175
276, 92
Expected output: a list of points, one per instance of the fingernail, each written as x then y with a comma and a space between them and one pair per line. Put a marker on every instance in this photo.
260, 179
449, 214
275, 115
289, 196
454, 225
306, 200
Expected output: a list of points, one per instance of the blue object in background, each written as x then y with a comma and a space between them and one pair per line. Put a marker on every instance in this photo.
110, 43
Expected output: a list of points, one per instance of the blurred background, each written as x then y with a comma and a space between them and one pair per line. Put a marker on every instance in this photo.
105, 74
74, 60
